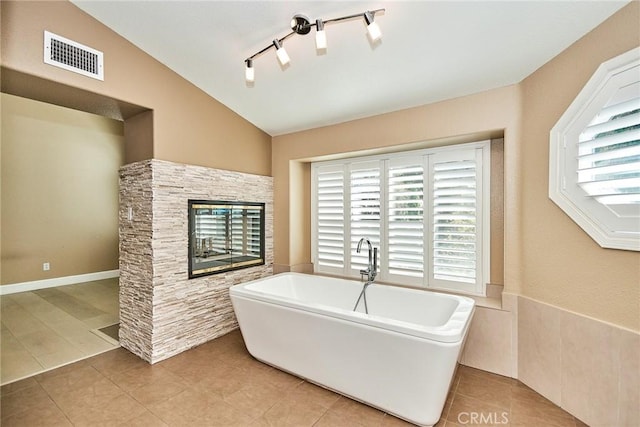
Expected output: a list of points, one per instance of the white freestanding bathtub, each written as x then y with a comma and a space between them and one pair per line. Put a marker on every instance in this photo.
400, 358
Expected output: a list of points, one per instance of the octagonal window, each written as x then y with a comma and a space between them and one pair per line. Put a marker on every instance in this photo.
594, 170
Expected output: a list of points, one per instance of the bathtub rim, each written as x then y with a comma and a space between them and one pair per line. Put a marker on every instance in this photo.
451, 332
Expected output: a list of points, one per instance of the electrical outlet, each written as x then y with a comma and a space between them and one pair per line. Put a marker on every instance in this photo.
46, 266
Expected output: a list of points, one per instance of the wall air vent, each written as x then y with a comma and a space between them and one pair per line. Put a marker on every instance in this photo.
73, 56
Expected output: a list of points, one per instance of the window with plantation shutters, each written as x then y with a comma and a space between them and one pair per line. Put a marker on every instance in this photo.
426, 211
595, 155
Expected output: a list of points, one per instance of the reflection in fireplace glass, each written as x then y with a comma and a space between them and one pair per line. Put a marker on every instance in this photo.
224, 236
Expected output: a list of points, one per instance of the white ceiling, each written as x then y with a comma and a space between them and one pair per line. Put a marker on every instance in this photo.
430, 51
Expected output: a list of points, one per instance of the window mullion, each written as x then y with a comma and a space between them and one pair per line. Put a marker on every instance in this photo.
428, 220
383, 263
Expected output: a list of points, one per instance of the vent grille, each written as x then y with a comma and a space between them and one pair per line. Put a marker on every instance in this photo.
73, 56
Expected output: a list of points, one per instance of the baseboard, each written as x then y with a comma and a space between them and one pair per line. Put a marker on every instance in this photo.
57, 281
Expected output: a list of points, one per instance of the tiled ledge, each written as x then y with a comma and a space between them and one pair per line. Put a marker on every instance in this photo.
493, 303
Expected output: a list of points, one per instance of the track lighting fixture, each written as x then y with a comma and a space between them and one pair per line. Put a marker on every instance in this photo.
300, 24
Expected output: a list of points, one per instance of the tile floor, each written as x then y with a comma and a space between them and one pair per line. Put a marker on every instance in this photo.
51, 327
220, 384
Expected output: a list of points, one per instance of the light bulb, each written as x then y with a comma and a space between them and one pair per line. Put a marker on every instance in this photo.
374, 32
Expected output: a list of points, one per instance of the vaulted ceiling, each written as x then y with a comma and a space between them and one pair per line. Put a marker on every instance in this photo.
430, 51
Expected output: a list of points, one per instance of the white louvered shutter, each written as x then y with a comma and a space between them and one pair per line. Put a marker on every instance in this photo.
329, 225
364, 210
405, 217
455, 219
609, 153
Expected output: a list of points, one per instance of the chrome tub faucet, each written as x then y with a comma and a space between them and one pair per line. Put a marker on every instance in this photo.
371, 271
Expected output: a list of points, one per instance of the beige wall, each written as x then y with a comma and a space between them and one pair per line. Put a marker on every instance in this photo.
59, 190
562, 265
546, 256
188, 125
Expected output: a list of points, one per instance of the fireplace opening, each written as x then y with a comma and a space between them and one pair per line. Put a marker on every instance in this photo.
224, 236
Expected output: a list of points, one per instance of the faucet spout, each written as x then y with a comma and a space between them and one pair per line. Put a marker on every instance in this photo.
364, 239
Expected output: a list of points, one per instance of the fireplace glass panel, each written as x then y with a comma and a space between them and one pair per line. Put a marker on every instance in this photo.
224, 236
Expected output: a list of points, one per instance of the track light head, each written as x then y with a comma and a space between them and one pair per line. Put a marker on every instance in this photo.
321, 35
249, 71
373, 29
282, 55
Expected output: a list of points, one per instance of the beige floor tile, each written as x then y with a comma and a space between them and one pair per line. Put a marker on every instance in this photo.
69, 369
34, 304
9, 341
308, 392
60, 357
195, 407
95, 294
539, 411
349, 412
6, 301
17, 364
292, 411
254, 399
115, 361
90, 343
391, 421
45, 414
468, 410
49, 315
493, 392
20, 322
43, 342
102, 321
158, 391
23, 400
68, 303
19, 385
146, 419
112, 411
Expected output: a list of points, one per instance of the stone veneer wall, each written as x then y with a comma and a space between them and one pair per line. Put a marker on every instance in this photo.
162, 312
